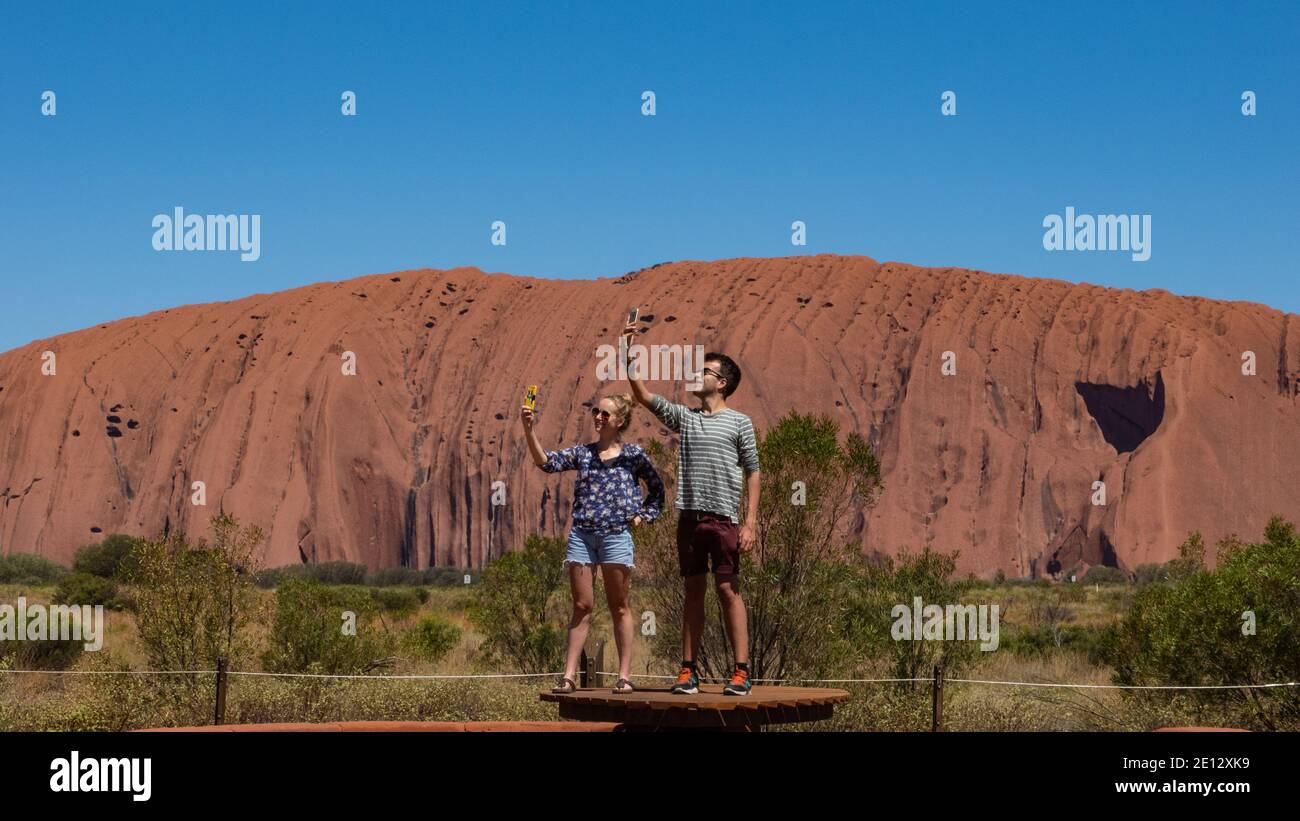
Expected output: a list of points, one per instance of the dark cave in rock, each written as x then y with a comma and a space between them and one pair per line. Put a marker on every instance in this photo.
1126, 415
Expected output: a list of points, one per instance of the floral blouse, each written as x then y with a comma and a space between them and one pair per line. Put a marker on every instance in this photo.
606, 496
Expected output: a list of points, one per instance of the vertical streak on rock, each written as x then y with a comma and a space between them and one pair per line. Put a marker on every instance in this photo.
1283, 372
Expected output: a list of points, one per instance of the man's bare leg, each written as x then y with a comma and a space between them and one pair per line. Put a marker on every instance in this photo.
693, 612
733, 608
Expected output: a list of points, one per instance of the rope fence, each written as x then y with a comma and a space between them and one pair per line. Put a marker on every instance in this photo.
588, 674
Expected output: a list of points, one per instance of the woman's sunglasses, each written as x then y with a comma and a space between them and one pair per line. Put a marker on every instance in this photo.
603, 414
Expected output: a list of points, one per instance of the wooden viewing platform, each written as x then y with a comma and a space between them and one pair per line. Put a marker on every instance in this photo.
655, 709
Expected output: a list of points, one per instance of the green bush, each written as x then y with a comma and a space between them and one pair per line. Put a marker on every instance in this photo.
399, 601
879, 587
1039, 640
323, 572
432, 638
1100, 574
321, 629
516, 607
337, 572
1145, 574
1194, 629
348, 573
451, 576
398, 577
27, 568
106, 558
83, 588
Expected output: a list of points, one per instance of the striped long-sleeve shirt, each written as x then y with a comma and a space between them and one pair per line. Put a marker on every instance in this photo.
717, 450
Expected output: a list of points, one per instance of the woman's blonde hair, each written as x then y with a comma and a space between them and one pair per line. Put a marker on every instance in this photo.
623, 405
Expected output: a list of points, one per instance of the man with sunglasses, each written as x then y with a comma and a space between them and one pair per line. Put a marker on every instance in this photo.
718, 457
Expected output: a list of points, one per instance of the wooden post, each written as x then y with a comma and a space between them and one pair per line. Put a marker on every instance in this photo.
582, 668
588, 664
220, 717
600, 659
936, 700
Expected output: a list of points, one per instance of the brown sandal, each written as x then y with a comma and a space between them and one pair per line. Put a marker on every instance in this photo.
619, 685
566, 685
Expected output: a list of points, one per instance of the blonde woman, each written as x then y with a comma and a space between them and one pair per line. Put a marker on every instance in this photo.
607, 502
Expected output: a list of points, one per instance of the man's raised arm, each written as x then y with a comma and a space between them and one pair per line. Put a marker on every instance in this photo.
639, 391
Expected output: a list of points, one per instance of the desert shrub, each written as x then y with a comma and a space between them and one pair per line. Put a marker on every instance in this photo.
878, 588
27, 568
1100, 574
1236, 625
83, 588
324, 572
1145, 574
312, 631
516, 606
451, 576
106, 558
432, 638
398, 577
398, 601
337, 572
1037, 640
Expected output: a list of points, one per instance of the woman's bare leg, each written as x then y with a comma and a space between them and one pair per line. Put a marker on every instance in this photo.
618, 579
580, 584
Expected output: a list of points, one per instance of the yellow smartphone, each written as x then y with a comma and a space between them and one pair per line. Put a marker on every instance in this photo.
530, 398
633, 315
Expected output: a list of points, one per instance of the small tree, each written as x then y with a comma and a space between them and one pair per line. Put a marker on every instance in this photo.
513, 606
796, 581
193, 601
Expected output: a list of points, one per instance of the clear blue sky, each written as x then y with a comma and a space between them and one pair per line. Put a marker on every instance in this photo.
531, 114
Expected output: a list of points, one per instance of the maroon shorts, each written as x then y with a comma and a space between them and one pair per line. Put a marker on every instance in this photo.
704, 538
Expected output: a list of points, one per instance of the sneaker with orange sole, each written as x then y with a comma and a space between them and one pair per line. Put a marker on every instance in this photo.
688, 682
739, 684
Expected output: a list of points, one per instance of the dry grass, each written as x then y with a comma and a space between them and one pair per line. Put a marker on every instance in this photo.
108, 702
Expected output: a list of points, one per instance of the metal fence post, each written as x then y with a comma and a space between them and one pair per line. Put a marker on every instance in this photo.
936, 700
220, 717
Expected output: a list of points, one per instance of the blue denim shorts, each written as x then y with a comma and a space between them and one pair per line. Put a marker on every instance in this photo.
594, 548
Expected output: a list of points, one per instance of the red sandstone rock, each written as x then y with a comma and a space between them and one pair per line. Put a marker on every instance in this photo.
396, 463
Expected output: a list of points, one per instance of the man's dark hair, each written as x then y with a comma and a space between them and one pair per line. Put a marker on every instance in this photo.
728, 368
